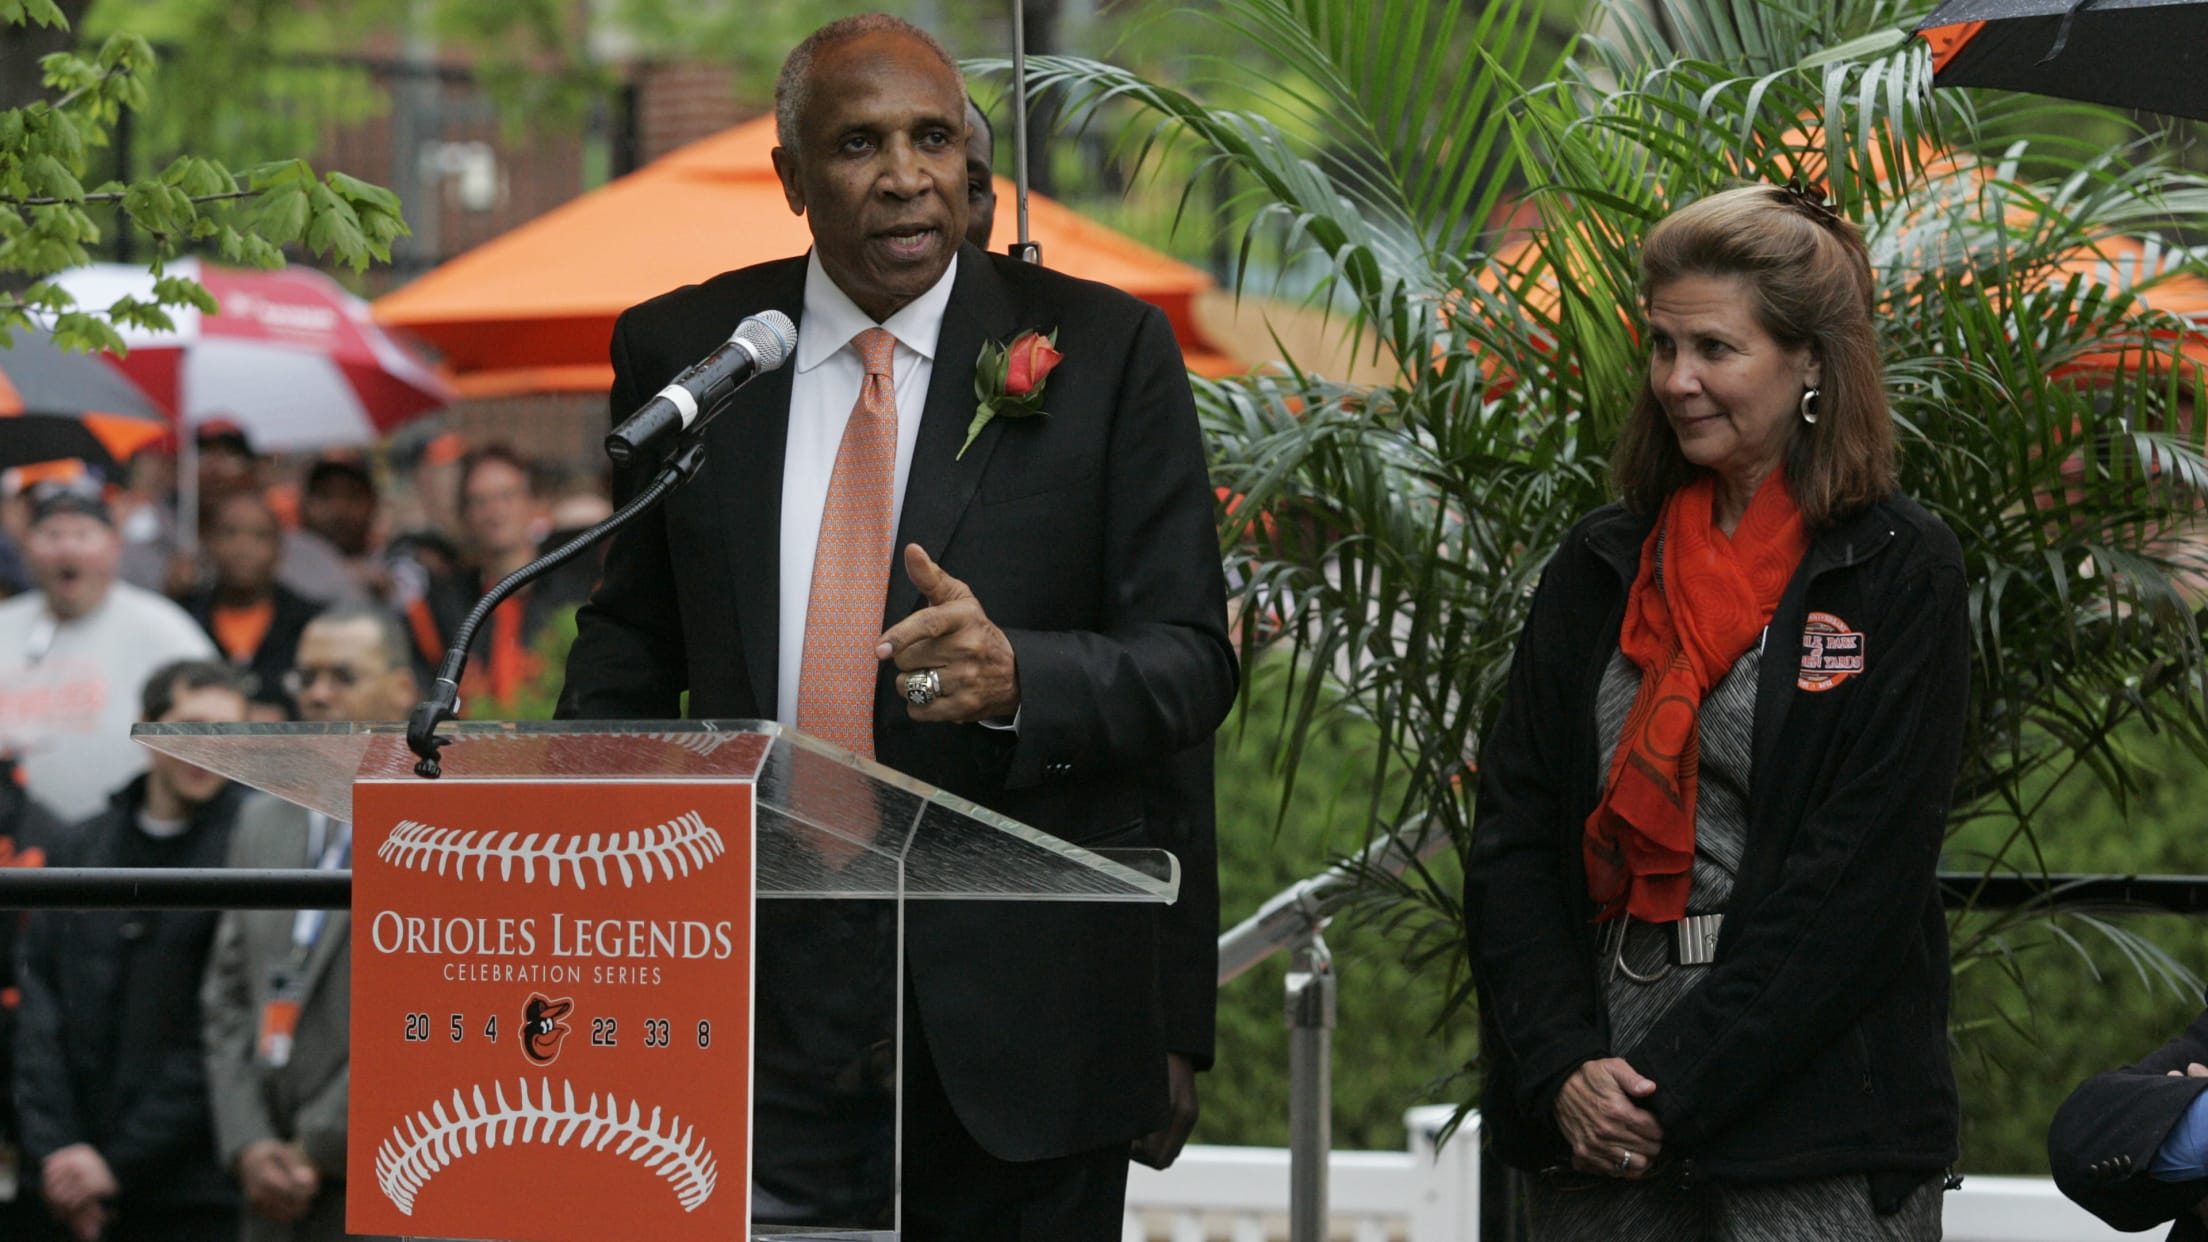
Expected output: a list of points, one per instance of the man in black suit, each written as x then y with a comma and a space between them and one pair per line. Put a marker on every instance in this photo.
2130, 1145
1051, 627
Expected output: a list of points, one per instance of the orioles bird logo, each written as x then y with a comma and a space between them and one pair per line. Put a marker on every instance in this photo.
542, 1032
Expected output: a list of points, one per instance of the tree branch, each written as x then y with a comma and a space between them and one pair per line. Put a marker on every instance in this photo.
116, 197
72, 96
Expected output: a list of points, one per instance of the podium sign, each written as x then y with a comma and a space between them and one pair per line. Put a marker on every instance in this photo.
551, 1010
636, 979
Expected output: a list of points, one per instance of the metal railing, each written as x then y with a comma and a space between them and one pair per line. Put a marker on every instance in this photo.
173, 888
1293, 920
1431, 1192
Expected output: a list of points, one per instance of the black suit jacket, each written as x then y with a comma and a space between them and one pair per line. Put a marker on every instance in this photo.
2106, 1134
1088, 537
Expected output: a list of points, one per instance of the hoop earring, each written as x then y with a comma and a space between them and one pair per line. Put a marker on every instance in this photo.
1809, 406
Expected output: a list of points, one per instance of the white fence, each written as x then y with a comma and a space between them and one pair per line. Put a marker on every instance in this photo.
1240, 1194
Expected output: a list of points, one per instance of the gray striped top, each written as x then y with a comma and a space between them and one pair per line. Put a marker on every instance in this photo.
1726, 728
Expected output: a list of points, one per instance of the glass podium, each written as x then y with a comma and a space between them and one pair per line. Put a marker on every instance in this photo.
636, 978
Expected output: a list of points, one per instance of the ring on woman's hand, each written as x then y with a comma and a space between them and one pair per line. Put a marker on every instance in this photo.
1625, 1162
923, 687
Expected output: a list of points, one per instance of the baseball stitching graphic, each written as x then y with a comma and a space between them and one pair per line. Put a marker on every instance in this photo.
680, 844
697, 743
703, 742
429, 1141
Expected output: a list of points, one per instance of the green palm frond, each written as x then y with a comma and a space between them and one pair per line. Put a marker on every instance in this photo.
1395, 153
1479, 214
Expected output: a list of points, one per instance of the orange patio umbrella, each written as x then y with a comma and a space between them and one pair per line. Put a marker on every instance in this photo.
533, 310
2173, 284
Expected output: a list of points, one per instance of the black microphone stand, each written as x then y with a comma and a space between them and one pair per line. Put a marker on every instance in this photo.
443, 702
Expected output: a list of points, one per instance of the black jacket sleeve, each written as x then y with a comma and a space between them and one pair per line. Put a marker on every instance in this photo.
1178, 802
47, 1112
2106, 1135
1160, 674
1540, 1012
26, 829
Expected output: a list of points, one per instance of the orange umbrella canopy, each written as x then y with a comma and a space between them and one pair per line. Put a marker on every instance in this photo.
533, 310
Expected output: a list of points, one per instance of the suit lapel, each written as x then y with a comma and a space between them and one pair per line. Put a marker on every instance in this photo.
942, 483
745, 462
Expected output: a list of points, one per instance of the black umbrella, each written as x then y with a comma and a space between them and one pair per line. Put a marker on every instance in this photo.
55, 404
2146, 54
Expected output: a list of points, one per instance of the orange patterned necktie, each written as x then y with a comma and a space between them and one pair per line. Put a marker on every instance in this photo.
835, 689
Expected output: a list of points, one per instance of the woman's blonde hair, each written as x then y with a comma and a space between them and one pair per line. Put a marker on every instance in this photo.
1808, 275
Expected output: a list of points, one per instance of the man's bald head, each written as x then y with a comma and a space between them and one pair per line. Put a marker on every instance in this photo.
793, 86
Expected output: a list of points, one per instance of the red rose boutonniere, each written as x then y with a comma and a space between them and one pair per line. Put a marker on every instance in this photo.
1008, 379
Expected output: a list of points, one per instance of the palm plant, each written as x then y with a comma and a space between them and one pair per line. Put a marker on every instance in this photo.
1478, 217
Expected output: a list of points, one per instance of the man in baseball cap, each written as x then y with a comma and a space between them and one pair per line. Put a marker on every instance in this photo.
75, 649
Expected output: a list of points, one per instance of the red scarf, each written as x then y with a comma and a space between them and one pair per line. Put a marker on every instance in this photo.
1716, 597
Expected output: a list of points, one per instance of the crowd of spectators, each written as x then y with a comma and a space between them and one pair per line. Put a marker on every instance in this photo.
179, 1075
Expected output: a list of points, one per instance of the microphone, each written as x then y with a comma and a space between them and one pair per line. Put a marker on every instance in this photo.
760, 343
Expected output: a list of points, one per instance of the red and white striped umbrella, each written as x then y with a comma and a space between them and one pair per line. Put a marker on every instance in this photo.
292, 357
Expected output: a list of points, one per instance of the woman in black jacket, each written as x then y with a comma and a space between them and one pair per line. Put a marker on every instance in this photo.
1701, 897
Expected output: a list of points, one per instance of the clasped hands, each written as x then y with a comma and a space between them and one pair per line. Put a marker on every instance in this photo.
78, 1186
280, 1182
1600, 1112
971, 657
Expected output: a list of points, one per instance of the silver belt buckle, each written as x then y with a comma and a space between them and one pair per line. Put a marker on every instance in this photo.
1695, 938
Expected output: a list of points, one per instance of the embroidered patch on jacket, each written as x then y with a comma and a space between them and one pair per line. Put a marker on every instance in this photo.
1831, 652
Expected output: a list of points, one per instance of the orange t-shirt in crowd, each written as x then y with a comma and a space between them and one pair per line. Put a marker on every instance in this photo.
239, 631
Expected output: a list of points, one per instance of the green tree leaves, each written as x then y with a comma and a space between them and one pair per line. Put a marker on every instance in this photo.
196, 203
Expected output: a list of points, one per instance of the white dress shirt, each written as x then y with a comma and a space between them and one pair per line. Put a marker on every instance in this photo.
826, 386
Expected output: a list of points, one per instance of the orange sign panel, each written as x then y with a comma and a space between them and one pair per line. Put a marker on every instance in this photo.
551, 1027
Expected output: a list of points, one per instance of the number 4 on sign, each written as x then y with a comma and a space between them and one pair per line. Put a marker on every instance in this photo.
490, 1028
